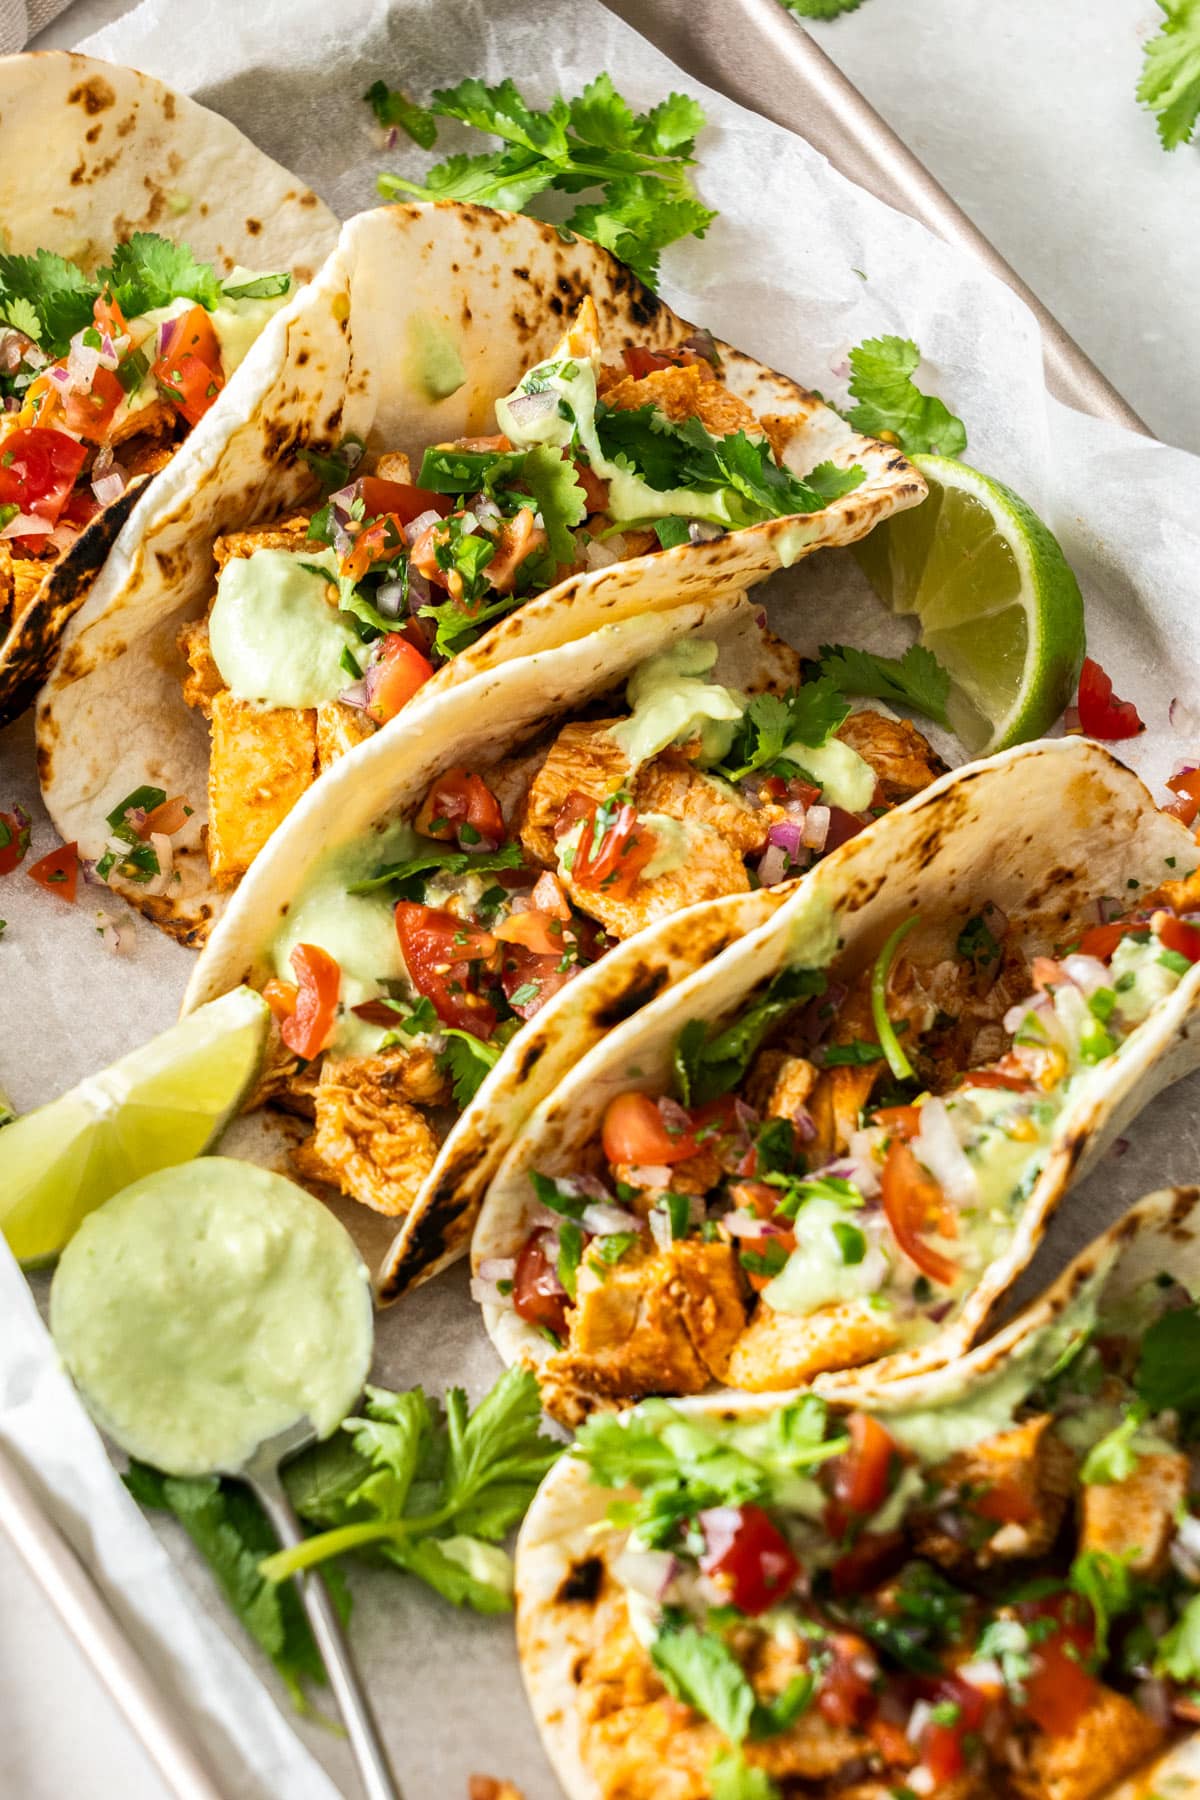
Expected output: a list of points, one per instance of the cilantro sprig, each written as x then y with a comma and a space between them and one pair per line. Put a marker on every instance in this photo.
708, 1064
821, 9
638, 162
1170, 82
916, 679
889, 401
809, 714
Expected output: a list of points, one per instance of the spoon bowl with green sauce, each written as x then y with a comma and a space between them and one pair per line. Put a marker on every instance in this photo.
217, 1319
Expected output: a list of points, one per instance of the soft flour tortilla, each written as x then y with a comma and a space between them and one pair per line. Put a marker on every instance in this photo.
89, 154
408, 290
478, 723
567, 1607
1040, 831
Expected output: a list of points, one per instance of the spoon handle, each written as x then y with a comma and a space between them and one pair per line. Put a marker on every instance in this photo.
374, 1769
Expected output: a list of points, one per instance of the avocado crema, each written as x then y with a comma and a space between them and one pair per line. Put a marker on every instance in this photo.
409, 958
840, 1164
593, 464
972, 1600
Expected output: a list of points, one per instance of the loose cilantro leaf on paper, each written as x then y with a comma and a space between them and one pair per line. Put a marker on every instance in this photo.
391, 108
232, 1533
707, 1066
881, 381
468, 1061
1168, 1374
259, 287
638, 162
1170, 83
916, 679
442, 859
821, 9
46, 297
150, 271
809, 714
432, 1491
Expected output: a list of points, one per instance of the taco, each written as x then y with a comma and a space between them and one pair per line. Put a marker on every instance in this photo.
521, 484
841, 1143
146, 244
455, 878
980, 1584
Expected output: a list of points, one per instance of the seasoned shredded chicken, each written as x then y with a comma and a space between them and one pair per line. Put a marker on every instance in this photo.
369, 1139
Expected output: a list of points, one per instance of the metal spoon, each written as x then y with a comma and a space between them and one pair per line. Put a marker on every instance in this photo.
262, 1474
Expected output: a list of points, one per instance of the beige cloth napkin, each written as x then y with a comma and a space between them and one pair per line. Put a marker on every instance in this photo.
22, 19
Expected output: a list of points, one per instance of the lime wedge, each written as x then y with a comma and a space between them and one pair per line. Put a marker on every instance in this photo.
162, 1104
995, 597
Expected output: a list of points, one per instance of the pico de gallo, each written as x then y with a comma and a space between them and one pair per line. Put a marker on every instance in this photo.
994, 1598
102, 374
408, 960
839, 1165
322, 628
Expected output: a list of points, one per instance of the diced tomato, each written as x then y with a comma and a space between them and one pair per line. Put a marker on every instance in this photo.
943, 1742
875, 1556
847, 1692
748, 1554
1004, 1502
281, 997
189, 370
306, 1031
58, 871
634, 1132
1178, 935
640, 361
595, 491
108, 316
91, 413
1101, 940
1101, 714
843, 825
169, 818
533, 931
609, 854
1015, 1082
1187, 785
400, 672
38, 469
438, 952
903, 1122
399, 498
80, 509
381, 540
538, 1295
519, 538
1060, 1689
530, 979
460, 798
862, 1473
16, 842
913, 1202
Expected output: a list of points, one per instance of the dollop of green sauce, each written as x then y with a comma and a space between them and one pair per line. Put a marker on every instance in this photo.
275, 637
208, 1307
672, 700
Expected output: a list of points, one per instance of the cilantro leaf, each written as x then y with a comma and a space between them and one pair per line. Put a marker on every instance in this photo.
637, 162
809, 714
821, 9
927, 1612
1179, 1650
442, 858
391, 107
48, 293
881, 371
1104, 1581
1168, 1374
468, 1061
708, 1065
1115, 1457
461, 1569
916, 679
702, 1670
150, 271
232, 1533
556, 487
1170, 81
731, 1777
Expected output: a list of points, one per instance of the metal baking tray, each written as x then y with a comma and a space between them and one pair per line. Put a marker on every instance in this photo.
757, 54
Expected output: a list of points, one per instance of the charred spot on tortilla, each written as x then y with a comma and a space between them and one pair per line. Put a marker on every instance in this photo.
643, 986
254, 226
582, 1583
96, 96
530, 1057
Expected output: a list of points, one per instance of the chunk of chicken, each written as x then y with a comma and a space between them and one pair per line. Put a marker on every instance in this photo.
369, 1140
669, 784
339, 728
709, 867
282, 534
393, 465
1015, 1486
780, 1083
903, 760
583, 759
1135, 1518
261, 762
658, 1322
836, 1102
147, 455
203, 680
691, 392
148, 423
780, 1350
1110, 1740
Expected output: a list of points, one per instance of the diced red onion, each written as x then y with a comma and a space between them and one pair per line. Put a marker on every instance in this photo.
87, 865
24, 525
62, 378
15, 349
675, 1117
389, 599
816, 827
745, 1114
646, 1572
937, 1146
419, 591
166, 332
109, 486
539, 1217
602, 1219
109, 932
422, 522
529, 409
392, 138
772, 865
741, 1224
1087, 972
935, 1314
497, 1268
345, 498
487, 514
803, 1123
702, 531
788, 835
